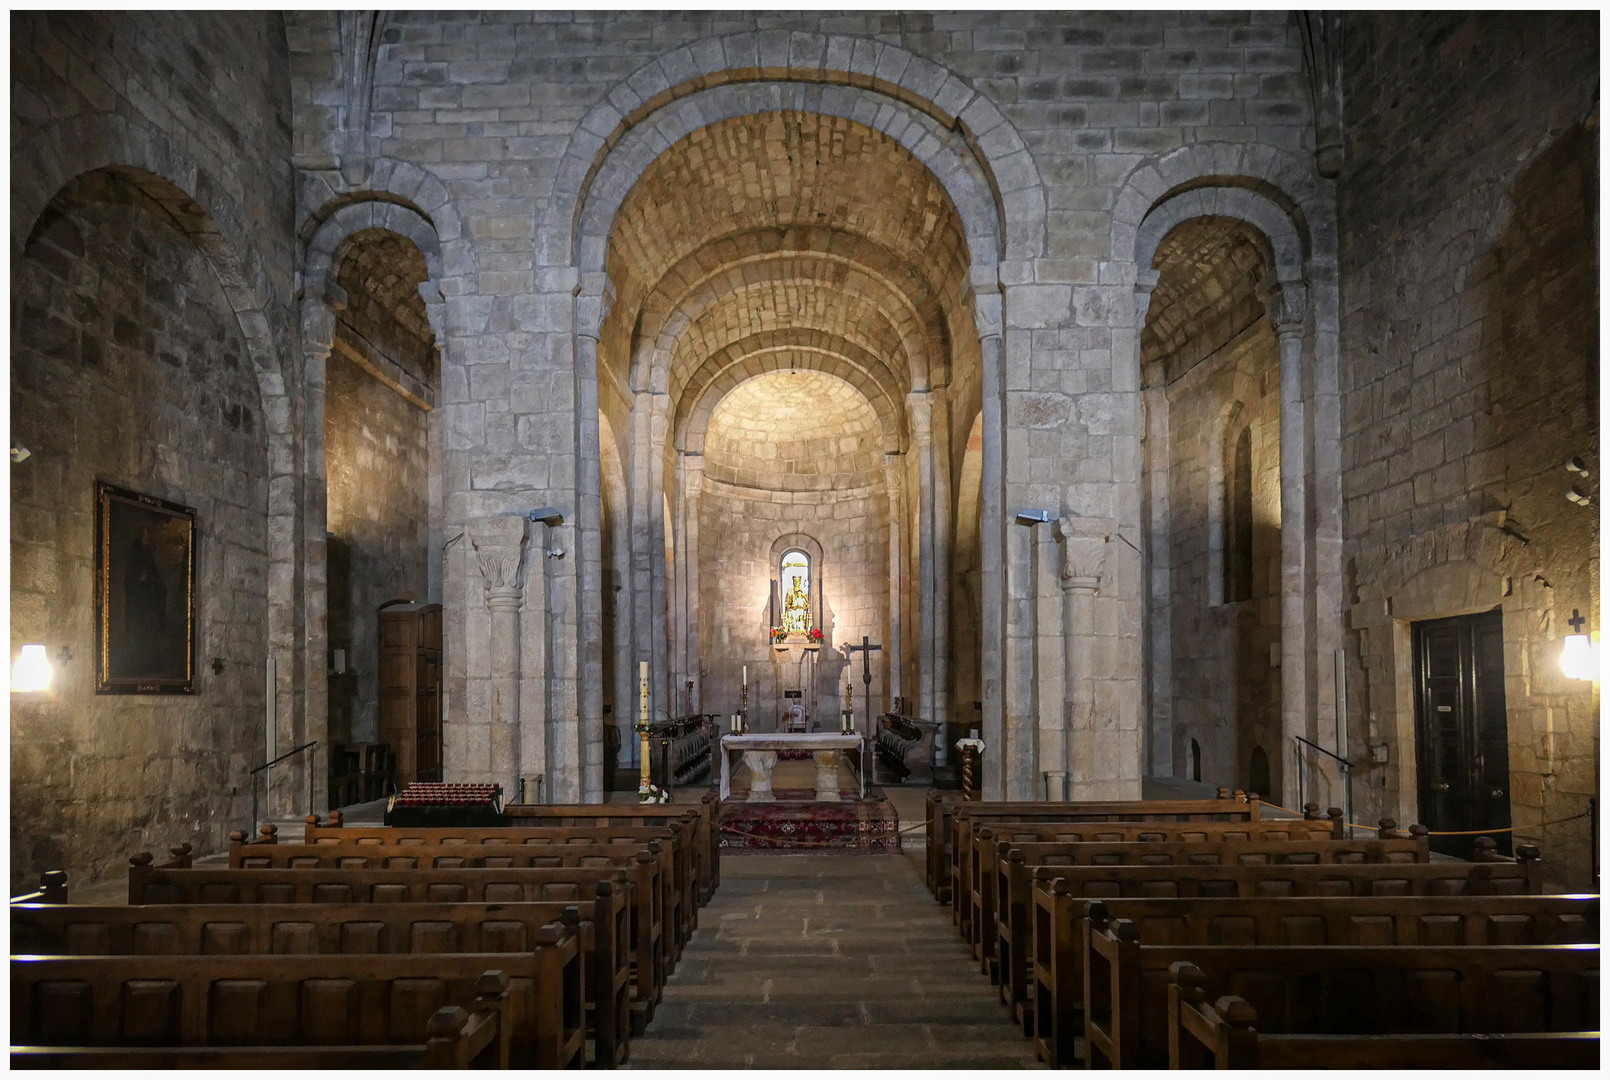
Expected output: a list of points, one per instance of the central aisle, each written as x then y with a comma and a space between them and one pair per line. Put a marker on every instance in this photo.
827, 961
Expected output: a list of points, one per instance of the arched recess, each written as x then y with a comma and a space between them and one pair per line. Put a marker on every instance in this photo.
605, 167
223, 231
1293, 209
322, 296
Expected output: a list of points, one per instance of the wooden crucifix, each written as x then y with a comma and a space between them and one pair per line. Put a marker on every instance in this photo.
866, 649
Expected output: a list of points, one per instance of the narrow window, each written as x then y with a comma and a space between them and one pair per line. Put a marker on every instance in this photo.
1195, 759
1238, 522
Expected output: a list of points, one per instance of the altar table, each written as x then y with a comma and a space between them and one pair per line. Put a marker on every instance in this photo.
760, 754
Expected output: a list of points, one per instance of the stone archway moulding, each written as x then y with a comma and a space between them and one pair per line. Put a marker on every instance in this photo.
892, 87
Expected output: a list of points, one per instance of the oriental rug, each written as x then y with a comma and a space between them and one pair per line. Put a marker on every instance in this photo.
796, 824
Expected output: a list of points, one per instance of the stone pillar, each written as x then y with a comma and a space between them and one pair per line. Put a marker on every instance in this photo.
919, 408
648, 543
987, 316
1328, 591
1096, 768
594, 296
1050, 669
893, 462
546, 747
287, 790
1286, 302
688, 551
943, 536
1158, 562
499, 544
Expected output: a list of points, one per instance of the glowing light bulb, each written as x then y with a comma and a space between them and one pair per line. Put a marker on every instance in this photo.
30, 672
1579, 659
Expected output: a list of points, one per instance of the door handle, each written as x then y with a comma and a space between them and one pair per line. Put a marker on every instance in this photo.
1442, 786
1498, 793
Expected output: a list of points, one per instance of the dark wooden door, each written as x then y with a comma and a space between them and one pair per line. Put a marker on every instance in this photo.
1461, 732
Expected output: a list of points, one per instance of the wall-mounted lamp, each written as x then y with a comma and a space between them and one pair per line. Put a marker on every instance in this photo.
19, 453
547, 515
1579, 659
1033, 517
30, 671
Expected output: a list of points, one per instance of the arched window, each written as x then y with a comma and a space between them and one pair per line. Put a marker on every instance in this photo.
1258, 772
1194, 760
1237, 520
794, 577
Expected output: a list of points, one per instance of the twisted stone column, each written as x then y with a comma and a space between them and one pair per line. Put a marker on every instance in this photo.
499, 544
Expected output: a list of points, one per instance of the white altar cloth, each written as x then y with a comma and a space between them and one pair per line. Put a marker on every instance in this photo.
818, 742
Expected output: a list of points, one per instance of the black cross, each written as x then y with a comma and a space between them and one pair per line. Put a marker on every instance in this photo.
1576, 620
866, 649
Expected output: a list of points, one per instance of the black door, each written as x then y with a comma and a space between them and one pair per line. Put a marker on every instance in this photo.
1461, 734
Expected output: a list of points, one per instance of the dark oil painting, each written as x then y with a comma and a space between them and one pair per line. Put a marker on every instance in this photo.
145, 602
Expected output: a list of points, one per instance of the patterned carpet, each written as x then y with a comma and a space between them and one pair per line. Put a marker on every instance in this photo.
795, 823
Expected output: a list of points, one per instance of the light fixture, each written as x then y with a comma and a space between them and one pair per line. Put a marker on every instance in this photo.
1033, 517
30, 672
1579, 659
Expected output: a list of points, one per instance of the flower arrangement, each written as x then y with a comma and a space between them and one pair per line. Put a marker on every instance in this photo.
778, 635
814, 635
653, 794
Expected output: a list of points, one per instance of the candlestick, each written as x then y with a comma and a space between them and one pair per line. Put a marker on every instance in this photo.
643, 781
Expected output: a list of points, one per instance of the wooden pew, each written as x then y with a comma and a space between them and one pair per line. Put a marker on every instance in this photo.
988, 842
336, 929
72, 1001
151, 884
678, 838
455, 1038
52, 890
1464, 919
707, 838
1004, 951
1358, 989
1224, 1035
960, 820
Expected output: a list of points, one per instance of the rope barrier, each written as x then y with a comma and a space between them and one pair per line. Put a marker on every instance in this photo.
1466, 832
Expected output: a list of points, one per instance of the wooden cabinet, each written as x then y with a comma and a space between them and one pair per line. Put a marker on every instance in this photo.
411, 689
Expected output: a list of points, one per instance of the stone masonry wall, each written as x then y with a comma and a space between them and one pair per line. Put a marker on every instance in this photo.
1470, 375
186, 390
129, 367
1226, 695
378, 465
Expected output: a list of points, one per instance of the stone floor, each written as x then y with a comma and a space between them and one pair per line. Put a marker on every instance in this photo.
828, 961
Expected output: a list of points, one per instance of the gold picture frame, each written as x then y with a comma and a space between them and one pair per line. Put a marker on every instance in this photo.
145, 594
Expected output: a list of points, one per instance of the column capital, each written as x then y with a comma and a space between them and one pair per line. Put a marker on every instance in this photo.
595, 295
499, 544
920, 407
1084, 552
1286, 302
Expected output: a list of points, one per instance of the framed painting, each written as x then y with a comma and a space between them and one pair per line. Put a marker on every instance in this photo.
145, 594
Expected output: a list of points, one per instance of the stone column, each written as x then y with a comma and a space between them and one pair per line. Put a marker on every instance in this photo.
893, 462
288, 788
1286, 302
499, 544
1096, 771
594, 297
919, 408
943, 538
547, 748
646, 481
987, 316
1329, 588
1050, 668
1158, 569
692, 487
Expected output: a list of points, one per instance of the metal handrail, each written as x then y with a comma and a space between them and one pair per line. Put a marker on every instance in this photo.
269, 765
1347, 774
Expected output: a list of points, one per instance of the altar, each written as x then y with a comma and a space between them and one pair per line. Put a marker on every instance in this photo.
760, 754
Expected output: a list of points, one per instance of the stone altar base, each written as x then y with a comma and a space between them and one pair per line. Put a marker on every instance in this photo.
795, 823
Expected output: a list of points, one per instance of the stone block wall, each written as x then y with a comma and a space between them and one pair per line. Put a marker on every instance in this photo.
1226, 694
161, 366
378, 467
1469, 285
129, 367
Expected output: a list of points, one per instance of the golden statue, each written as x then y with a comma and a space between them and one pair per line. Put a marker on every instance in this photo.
797, 607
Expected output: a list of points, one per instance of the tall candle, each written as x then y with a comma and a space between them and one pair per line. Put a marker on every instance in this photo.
642, 691
746, 674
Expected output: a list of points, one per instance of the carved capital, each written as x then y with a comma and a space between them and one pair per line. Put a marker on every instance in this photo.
1084, 552
1145, 281
1286, 303
499, 544
920, 407
594, 297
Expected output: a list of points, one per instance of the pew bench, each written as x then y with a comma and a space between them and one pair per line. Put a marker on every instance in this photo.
960, 820
150, 884
1003, 949
338, 929
350, 1000
1224, 1035
1058, 986
1368, 989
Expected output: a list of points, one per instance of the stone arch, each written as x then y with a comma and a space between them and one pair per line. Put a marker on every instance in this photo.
201, 206
888, 85
746, 360
1270, 223
335, 227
